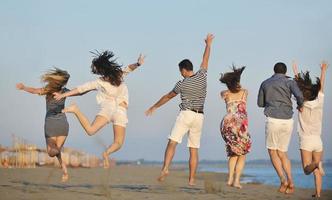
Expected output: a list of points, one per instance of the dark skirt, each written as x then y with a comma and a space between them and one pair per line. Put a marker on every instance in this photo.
57, 126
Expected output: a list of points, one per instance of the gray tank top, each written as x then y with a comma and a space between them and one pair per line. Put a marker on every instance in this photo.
54, 107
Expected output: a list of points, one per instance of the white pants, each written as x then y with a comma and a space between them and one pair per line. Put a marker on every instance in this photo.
188, 122
278, 133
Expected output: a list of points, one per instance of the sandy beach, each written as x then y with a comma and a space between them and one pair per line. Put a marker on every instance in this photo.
130, 182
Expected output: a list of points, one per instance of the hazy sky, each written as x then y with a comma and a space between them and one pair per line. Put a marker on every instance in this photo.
36, 35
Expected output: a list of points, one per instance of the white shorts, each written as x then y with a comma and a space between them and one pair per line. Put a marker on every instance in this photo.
312, 143
117, 116
188, 122
278, 133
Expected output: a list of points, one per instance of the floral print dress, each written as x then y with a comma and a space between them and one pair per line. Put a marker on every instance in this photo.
234, 128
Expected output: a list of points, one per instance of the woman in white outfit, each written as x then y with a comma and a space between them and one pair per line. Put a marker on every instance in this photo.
112, 97
310, 124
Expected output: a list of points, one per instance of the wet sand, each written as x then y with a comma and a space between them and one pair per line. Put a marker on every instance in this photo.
130, 182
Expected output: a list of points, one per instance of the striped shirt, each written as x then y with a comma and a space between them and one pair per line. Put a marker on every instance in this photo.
193, 91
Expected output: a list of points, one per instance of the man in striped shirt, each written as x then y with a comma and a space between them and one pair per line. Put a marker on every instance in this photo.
192, 90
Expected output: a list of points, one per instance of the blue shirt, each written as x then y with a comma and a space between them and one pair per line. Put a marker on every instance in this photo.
275, 96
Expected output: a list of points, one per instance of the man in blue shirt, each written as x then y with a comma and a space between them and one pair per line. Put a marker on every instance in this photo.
275, 96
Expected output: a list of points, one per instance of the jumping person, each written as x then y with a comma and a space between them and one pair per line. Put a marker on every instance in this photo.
275, 96
56, 126
190, 119
310, 124
112, 97
234, 126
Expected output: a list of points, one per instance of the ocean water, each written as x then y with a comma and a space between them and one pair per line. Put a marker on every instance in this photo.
265, 173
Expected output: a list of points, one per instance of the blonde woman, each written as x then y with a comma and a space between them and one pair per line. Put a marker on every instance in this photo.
56, 126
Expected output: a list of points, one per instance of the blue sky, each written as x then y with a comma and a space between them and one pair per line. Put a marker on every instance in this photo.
36, 35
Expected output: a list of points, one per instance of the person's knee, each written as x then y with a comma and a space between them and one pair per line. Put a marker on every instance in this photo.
118, 144
308, 170
53, 152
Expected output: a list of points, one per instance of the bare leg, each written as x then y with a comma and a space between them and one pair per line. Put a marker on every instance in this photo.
90, 129
119, 136
51, 146
286, 165
193, 162
169, 154
238, 170
317, 156
308, 165
276, 162
60, 140
231, 169
321, 169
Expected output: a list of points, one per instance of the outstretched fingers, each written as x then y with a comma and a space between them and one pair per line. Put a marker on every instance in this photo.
149, 112
57, 96
141, 59
19, 86
295, 68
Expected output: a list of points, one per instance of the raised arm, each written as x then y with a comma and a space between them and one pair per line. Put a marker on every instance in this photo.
295, 69
323, 67
132, 67
164, 99
32, 90
206, 55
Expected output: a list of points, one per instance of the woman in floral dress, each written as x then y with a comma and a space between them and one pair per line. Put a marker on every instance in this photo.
234, 126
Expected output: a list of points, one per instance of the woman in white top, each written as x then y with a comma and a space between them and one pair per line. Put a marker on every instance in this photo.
112, 97
310, 124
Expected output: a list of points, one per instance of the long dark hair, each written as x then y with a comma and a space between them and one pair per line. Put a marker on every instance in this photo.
108, 68
309, 89
232, 79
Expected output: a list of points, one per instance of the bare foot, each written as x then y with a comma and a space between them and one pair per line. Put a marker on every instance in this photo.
290, 189
163, 175
237, 185
65, 177
70, 109
229, 182
315, 196
321, 169
191, 182
283, 187
106, 161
